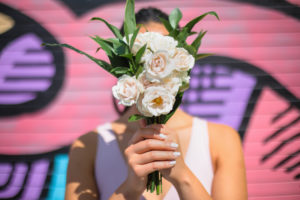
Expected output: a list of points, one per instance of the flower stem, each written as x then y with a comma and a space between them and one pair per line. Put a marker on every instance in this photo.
155, 178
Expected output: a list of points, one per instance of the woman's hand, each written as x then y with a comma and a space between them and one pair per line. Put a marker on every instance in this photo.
180, 168
150, 150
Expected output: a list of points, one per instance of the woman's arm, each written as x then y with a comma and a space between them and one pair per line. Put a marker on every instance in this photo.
81, 182
229, 181
230, 174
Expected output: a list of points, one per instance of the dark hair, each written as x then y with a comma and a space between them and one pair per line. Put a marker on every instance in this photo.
146, 15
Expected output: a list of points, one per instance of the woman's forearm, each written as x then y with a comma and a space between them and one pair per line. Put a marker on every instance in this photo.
189, 187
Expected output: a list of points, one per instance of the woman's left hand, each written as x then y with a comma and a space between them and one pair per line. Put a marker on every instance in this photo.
172, 174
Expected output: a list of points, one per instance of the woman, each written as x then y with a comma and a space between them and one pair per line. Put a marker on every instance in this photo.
198, 159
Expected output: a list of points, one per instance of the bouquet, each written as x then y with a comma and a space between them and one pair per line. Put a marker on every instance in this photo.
152, 69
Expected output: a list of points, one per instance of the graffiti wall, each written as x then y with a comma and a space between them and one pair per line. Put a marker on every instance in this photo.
50, 96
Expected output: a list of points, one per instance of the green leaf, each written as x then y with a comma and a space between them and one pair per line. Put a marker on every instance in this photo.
112, 52
167, 24
133, 118
175, 17
132, 67
197, 42
129, 55
134, 36
129, 23
202, 55
192, 33
113, 29
105, 45
119, 70
194, 21
178, 99
98, 49
174, 33
120, 47
101, 63
190, 49
184, 87
182, 36
140, 54
139, 71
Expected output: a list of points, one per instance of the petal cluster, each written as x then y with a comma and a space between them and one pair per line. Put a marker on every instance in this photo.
165, 70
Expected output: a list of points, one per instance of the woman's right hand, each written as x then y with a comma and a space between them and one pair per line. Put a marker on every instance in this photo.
148, 151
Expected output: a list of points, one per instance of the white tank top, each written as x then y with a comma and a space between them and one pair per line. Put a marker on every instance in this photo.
111, 169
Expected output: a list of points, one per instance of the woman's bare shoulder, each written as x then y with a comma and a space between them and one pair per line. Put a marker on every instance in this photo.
84, 147
222, 132
225, 142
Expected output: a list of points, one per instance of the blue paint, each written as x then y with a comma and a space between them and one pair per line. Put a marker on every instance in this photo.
58, 180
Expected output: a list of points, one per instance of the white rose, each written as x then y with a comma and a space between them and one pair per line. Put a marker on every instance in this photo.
158, 66
144, 81
127, 90
140, 40
183, 61
163, 43
156, 101
183, 76
172, 84
138, 43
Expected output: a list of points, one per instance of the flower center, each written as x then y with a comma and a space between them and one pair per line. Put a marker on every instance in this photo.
157, 101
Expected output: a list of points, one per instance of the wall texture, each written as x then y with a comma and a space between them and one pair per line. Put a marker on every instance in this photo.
50, 96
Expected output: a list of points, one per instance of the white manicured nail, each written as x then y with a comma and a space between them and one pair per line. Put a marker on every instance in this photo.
173, 144
163, 136
173, 162
176, 153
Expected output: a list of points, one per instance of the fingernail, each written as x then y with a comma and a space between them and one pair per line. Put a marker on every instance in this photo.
173, 162
176, 153
173, 144
163, 136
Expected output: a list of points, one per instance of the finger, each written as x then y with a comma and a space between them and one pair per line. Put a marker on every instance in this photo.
153, 144
152, 156
147, 133
154, 166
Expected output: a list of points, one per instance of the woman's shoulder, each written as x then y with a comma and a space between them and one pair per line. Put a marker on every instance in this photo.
84, 147
225, 142
222, 132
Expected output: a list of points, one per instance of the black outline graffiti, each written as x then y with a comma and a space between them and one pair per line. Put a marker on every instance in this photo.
23, 25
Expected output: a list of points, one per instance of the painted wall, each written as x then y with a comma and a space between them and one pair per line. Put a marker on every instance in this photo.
50, 96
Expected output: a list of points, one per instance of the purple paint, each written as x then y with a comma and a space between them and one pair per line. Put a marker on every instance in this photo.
228, 105
16, 98
36, 71
17, 181
5, 170
24, 57
194, 83
206, 82
36, 179
27, 85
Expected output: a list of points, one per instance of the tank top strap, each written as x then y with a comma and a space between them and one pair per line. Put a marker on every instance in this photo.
197, 157
105, 131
